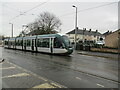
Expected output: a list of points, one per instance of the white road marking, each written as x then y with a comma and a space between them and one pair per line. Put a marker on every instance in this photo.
45, 85
16, 75
7, 68
31, 73
100, 85
78, 78
28, 71
56, 85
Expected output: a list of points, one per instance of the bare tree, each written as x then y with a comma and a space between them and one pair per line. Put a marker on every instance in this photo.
46, 23
30, 27
22, 33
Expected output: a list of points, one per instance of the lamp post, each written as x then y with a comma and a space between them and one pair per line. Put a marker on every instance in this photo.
75, 37
119, 45
12, 29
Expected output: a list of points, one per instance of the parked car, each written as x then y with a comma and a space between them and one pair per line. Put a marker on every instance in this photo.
100, 43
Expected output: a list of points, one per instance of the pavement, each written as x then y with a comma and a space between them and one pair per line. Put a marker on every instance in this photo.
99, 54
14, 76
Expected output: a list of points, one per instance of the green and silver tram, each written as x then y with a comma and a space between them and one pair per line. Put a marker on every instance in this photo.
50, 43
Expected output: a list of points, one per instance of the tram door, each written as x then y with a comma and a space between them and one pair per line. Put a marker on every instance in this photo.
24, 44
51, 44
33, 44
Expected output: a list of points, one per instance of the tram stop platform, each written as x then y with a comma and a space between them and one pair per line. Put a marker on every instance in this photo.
17, 77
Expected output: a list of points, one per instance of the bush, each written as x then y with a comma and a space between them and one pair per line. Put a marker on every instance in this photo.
109, 47
97, 46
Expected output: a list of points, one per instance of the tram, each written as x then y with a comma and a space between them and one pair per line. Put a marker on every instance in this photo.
49, 43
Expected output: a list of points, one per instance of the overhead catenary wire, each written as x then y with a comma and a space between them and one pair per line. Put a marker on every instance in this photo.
22, 13
13, 9
28, 11
36, 6
88, 9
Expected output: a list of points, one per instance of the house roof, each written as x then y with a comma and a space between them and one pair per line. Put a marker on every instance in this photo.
117, 31
86, 32
107, 33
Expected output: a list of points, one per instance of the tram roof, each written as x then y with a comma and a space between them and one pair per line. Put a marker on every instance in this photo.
12, 38
49, 35
30, 37
19, 37
33, 37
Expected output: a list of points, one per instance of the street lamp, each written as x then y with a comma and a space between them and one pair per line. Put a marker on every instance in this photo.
75, 26
119, 45
12, 29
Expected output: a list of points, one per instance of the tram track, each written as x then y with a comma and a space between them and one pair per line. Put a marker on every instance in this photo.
64, 66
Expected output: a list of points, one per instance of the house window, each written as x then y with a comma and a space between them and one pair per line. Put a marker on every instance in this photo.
94, 35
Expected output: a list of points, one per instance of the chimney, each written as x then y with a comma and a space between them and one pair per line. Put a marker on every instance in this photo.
84, 29
96, 31
89, 30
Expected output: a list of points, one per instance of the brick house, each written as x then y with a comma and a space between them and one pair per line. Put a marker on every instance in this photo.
111, 40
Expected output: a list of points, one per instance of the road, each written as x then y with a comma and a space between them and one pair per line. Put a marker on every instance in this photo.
74, 71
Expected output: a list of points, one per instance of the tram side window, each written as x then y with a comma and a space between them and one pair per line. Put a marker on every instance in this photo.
10, 42
13, 43
6, 42
38, 43
43, 42
24, 42
28, 42
57, 43
18, 42
21, 42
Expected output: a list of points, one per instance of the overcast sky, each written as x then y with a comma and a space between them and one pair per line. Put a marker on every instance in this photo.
95, 15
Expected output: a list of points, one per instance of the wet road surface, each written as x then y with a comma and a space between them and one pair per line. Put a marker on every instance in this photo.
74, 71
